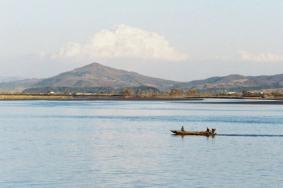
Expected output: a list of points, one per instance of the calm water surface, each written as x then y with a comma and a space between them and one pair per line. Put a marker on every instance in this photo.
128, 144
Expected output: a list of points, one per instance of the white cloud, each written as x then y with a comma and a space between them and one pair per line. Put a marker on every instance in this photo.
261, 57
123, 42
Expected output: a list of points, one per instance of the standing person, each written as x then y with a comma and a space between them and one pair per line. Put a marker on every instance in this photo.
182, 128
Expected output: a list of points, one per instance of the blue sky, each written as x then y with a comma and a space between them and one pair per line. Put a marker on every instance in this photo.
180, 40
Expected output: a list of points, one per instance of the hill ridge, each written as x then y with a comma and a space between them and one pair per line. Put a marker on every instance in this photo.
100, 76
97, 75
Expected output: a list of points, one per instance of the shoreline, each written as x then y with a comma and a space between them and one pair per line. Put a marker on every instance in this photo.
23, 97
10, 97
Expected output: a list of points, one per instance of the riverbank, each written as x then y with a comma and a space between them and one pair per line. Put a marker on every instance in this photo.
117, 97
86, 97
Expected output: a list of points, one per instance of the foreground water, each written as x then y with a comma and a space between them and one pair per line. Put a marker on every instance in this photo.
128, 144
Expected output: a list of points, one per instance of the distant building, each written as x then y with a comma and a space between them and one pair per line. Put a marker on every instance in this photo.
51, 92
230, 93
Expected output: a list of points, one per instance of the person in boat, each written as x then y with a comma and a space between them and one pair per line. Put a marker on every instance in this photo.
213, 131
182, 128
207, 130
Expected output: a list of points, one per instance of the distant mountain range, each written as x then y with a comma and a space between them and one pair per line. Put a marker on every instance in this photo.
96, 77
235, 83
17, 85
9, 79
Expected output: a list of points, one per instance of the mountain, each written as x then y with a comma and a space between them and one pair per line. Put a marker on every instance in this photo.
97, 78
4, 79
235, 83
96, 75
18, 85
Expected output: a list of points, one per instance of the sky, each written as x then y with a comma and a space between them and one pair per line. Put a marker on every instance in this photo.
173, 39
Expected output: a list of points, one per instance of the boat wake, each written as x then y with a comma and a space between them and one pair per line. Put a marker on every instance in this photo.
252, 135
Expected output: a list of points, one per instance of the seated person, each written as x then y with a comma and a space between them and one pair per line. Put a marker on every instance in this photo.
207, 130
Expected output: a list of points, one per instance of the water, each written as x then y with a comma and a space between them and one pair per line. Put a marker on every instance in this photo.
128, 144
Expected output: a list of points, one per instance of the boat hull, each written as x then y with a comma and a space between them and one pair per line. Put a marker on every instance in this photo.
193, 133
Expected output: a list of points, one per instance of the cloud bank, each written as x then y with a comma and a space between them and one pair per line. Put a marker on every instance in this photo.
123, 42
261, 57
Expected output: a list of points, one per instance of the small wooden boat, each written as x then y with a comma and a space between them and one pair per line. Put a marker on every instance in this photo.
193, 133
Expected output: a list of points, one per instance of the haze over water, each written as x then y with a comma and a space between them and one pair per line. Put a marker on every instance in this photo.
128, 144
